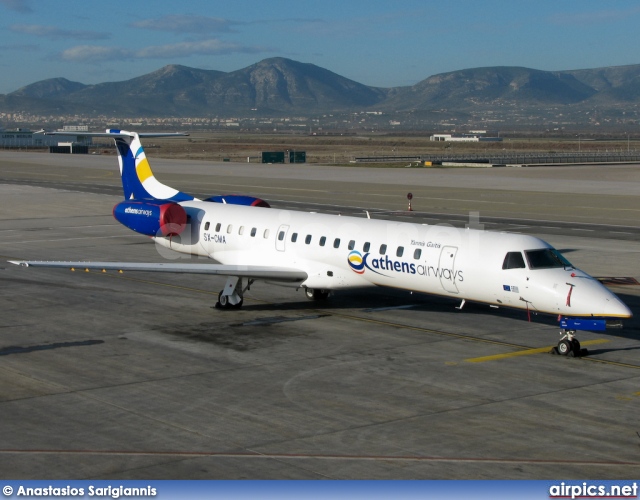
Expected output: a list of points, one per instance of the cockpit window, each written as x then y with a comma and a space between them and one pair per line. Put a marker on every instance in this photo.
513, 260
546, 258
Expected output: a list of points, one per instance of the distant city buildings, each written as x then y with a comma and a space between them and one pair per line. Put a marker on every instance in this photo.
508, 119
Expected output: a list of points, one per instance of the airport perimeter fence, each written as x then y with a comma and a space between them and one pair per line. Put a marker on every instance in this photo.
632, 156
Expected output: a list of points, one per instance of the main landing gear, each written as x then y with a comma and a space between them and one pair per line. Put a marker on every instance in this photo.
316, 294
231, 296
569, 345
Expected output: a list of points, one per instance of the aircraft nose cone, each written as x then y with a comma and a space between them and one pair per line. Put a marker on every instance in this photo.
615, 308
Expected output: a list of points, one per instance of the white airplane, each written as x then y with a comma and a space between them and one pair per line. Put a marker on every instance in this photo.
319, 253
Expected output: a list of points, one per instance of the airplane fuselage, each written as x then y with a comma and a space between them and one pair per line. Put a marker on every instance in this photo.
350, 252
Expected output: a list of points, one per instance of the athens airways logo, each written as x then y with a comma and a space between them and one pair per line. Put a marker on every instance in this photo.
360, 263
356, 263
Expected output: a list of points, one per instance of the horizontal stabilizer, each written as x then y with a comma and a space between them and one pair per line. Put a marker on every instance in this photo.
117, 133
257, 272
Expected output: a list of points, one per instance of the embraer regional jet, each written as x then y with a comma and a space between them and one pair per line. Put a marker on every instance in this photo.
319, 253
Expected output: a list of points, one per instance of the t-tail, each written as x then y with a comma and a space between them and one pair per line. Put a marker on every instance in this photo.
138, 181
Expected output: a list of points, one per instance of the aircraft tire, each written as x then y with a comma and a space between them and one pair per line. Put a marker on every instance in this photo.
575, 345
223, 300
315, 294
577, 350
565, 347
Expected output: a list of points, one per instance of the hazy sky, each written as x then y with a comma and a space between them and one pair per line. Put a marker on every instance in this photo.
375, 42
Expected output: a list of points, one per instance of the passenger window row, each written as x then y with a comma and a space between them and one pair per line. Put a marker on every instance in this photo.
307, 240
229, 230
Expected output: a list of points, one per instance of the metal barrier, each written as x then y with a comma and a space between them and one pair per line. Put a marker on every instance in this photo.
515, 158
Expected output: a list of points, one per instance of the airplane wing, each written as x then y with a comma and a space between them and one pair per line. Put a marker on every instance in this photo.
258, 272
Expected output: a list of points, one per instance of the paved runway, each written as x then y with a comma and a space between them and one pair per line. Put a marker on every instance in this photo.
136, 376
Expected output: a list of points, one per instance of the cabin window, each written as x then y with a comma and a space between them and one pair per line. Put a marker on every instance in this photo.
513, 260
383, 249
323, 240
336, 243
366, 247
218, 226
206, 226
253, 231
229, 228
266, 234
294, 237
281, 236
307, 240
399, 251
352, 244
241, 230
417, 253
546, 258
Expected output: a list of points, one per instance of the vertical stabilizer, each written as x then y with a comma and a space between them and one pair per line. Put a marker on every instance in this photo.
138, 181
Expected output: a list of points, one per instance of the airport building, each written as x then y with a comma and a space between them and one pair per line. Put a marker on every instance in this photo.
471, 137
20, 138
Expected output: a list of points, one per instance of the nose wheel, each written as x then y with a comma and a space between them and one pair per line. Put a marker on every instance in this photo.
569, 345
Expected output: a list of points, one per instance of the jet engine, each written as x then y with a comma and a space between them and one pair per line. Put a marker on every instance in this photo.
153, 218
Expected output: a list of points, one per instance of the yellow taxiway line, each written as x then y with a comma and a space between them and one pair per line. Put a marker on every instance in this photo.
526, 352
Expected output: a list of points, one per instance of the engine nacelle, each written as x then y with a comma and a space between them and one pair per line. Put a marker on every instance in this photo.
153, 218
237, 199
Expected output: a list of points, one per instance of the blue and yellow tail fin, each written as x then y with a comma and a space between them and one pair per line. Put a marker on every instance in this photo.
138, 181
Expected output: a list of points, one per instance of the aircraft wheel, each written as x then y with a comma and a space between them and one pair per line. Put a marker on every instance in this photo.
565, 347
223, 300
314, 294
575, 345
238, 305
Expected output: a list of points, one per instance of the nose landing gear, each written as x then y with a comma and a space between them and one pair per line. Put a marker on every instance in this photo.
569, 345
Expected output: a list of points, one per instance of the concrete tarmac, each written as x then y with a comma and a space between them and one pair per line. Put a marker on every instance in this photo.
136, 376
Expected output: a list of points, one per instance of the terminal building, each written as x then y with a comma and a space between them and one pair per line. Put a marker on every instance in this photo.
21, 138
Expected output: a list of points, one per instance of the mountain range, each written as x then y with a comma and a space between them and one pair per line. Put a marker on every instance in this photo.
279, 86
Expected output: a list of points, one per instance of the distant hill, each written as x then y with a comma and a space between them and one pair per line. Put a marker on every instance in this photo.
461, 89
280, 86
53, 88
277, 86
616, 84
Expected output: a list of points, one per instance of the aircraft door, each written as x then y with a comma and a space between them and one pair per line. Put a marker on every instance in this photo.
514, 279
281, 237
447, 268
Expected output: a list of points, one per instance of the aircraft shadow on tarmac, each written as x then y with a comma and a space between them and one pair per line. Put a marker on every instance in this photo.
380, 300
